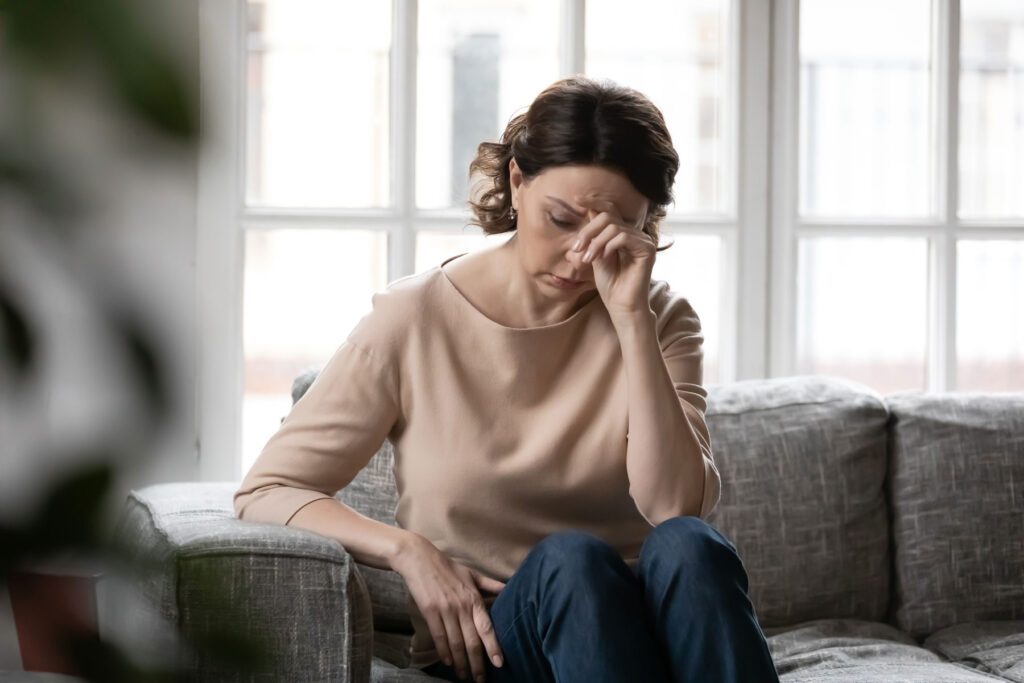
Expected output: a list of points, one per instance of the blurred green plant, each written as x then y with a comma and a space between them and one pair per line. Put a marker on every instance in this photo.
44, 43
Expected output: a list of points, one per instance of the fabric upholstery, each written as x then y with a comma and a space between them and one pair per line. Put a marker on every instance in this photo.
958, 508
386, 672
373, 493
856, 651
805, 499
294, 591
803, 464
995, 647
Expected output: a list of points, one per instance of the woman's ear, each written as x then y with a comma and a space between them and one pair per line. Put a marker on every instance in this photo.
515, 181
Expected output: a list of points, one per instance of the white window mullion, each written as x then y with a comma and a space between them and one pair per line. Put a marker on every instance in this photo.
785, 124
402, 241
220, 240
942, 260
572, 55
942, 312
746, 288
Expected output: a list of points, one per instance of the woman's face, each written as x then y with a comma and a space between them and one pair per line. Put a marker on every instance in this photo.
552, 208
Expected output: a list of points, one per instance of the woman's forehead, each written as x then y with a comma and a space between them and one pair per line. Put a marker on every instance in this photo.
581, 186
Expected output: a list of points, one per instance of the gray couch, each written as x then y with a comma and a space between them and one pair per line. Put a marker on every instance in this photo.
883, 538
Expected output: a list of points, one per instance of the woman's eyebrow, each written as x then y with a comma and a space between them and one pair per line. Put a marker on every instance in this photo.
567, 207
631, 221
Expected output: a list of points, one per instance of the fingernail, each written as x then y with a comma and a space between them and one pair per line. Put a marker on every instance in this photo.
586, 257
447, 661
497, 660
576, 247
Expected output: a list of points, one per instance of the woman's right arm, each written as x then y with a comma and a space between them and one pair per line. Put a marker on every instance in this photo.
330, 434
447, 593
370, 542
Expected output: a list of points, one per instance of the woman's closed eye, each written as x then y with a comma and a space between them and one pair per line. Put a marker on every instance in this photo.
560, 222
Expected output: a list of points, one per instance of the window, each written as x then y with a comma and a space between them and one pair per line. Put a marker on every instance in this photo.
897, 235
849, 200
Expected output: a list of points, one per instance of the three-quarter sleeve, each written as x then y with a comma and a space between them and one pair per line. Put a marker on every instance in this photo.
681, 341
330, 434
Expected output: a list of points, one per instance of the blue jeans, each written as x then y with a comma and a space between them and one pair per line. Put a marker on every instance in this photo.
574, 611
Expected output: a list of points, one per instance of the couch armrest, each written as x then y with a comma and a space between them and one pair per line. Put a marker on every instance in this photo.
295, 591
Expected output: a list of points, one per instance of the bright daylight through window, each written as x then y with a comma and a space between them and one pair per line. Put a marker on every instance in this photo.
903, 222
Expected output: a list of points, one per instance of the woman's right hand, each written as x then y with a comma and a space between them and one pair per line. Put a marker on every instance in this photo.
448, 595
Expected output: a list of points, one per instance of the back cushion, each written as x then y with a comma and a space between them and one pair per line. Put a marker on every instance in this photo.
803, 465
958, 508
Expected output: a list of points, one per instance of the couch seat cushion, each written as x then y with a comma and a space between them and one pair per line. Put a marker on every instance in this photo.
382, 671
992, 646
859, 652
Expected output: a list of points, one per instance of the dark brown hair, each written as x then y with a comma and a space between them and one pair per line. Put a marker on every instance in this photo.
578, 120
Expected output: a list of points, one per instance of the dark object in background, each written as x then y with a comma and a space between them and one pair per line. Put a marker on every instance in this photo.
51, 606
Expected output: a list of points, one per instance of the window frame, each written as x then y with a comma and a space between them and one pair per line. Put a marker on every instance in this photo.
759, 236
223, 217
943, 229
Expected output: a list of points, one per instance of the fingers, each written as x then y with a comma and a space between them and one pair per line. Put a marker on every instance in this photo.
456, 641
470, 637
439, 632
605, 224
485, 627
449, 597
612, 239
485, 583
617, 242
474, 646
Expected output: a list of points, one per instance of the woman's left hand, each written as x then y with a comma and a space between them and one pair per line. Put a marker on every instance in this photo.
622, 256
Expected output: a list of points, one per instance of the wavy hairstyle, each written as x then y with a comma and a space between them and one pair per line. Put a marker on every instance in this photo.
578, 120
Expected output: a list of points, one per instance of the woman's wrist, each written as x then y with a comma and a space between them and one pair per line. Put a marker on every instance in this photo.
634, 323
406, 544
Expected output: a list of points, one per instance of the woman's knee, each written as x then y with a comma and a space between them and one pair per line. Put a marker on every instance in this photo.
575, 554
688, 540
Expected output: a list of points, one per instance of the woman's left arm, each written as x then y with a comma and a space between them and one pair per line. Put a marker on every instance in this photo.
668, 452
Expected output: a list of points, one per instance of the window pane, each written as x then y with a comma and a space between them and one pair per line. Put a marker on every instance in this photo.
479, 64
318, 103
433, 248
990, 316
992, 108
864, 108
862, 310
676, 53
692, 267
304, 292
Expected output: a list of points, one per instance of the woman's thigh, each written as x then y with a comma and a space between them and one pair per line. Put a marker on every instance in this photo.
574, 611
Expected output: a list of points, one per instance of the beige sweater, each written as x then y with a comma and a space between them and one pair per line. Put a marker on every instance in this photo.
501, 435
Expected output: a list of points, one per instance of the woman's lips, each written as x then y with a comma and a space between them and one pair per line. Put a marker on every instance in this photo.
565, 284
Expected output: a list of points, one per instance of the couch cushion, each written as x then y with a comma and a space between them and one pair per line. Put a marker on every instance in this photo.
803, 464
859, 651
995, 647
383, 671
958, 508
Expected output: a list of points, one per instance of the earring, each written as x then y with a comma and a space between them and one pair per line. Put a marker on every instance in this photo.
513, 214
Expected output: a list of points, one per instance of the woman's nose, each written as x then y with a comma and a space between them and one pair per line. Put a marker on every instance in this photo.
575, 257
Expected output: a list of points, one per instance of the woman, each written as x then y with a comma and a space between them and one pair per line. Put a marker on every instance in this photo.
545, 403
